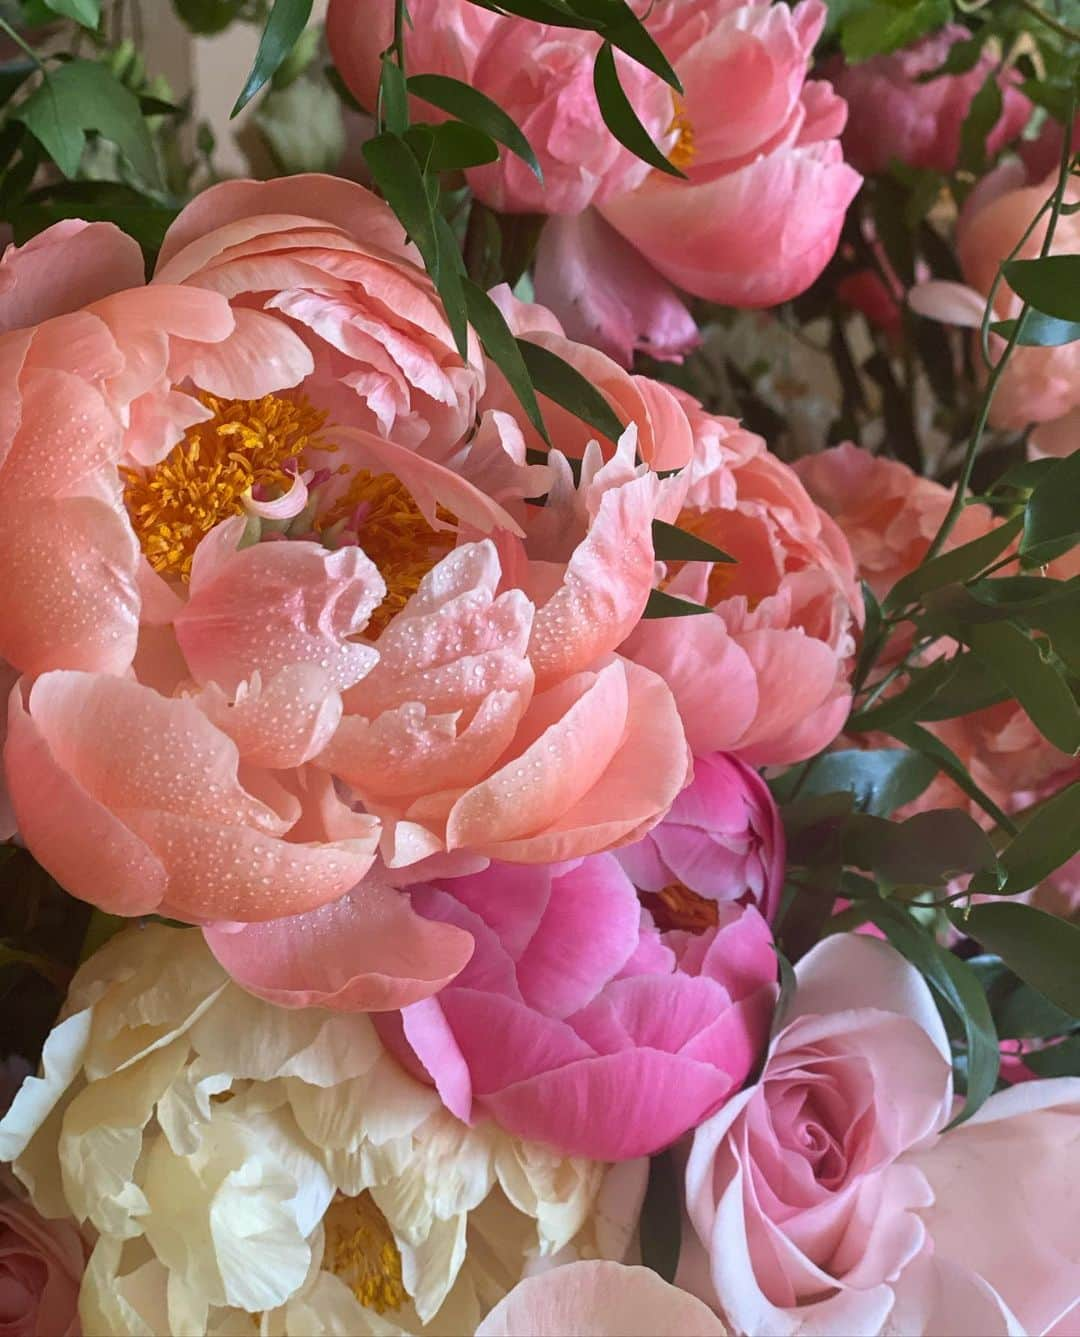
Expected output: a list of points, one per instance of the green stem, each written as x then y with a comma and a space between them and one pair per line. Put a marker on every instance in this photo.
1063, 29
23, 46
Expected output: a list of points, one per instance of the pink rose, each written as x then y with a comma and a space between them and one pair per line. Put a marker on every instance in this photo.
41, 1267
614, 1038
784, 612
829, 1200
894, 116
722, 839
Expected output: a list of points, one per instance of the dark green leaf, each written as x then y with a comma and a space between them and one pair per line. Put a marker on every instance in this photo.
86, 12
970, 686
927, 850
788, 986
661, 1217
1034, 680
662, 604
393, 106
1060, 1060
1051, 284
448, 273
983, 114
94, 201
621, 118
397, 174
1019, 1011
880, 781
923, 685
914, 735
1042, 949
451, 147
1061, 622
206, 17
956, 565
962, 56
556, 378
1039, 331
886, 26
1046, 840
502, 348
286, 22
475, 109
672, 544
873, 630
622, 28
958, 987
82, 95
1052, 517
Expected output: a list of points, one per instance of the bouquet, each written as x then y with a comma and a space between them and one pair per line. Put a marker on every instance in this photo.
539, 641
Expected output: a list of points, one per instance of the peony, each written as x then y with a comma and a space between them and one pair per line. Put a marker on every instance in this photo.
1040, 385
895, 117
784, 612
234, 1156
41, 1266
339, 610
599, 1299
722, 839
829, 1199
753, 224
614, 1038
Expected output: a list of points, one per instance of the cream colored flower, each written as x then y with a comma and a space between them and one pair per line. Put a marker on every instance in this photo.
256, 1169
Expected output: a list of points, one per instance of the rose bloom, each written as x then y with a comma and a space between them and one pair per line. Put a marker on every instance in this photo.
894, 116
615, 1038
754, 222
830, 1200
784, 612
321, 586
1040, 385
237, 1158
41, 1266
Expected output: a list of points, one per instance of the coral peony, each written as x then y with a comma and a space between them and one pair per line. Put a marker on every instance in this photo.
829, 1199
753, 224
615, 1038
234, 1156
895, 116
599, 1299
336, 605
784, 612
41, 1267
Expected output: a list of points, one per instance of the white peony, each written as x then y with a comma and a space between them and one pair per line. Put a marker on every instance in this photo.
241, 1159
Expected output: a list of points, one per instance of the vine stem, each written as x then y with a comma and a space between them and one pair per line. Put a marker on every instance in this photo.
959, 497
1063, 29
23, 46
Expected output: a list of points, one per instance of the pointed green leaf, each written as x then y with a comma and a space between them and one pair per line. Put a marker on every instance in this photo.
475, 109
1051, 284
662, 604
1036, 682
556, 378
501, 346
1039, 331
393, 103
1046, 840
1042, 949
1052, 517
672, 544
956, 565
86, 12
286, 22
621, 118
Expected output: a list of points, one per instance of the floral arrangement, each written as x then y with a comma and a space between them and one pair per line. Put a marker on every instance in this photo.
541, 677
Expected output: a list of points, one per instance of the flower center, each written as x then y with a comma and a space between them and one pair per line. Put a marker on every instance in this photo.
684, 150
361, 1250
247, 443
677, 907
379, 512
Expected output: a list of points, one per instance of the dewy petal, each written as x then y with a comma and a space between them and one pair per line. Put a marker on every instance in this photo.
599, 1299
367, 952
279, 724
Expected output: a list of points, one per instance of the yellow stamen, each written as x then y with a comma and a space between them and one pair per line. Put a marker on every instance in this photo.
684, 150
677, 907
245, 444
361, 1250
393, 532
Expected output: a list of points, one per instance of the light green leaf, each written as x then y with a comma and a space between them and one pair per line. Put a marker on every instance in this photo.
86, 12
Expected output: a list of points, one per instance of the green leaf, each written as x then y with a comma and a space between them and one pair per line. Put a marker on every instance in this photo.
1052, 517
662, 604
958, 987
970, 686
450, 147
448, 273
501, 346
1060, 1060
914, 735
207, 17
983, 114
950, 567
661, 1217
475, 109
1035, 682
397, 174
393, 104
621, 118
622, 28
556, 378
286, 22
923, 685
82, 95
1042, 949
887, 25
1051, 284
925, 851
672, 544
1038, 330
1019, 1011
881, 781
86, 12
1046, 840
788, 987
94, 201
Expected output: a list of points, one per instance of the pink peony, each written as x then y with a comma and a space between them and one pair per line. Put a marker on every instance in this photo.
894, 116
342, 630
41, 1268
599, 1299
829, 1200
614, 1037
784, 612
722, 839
